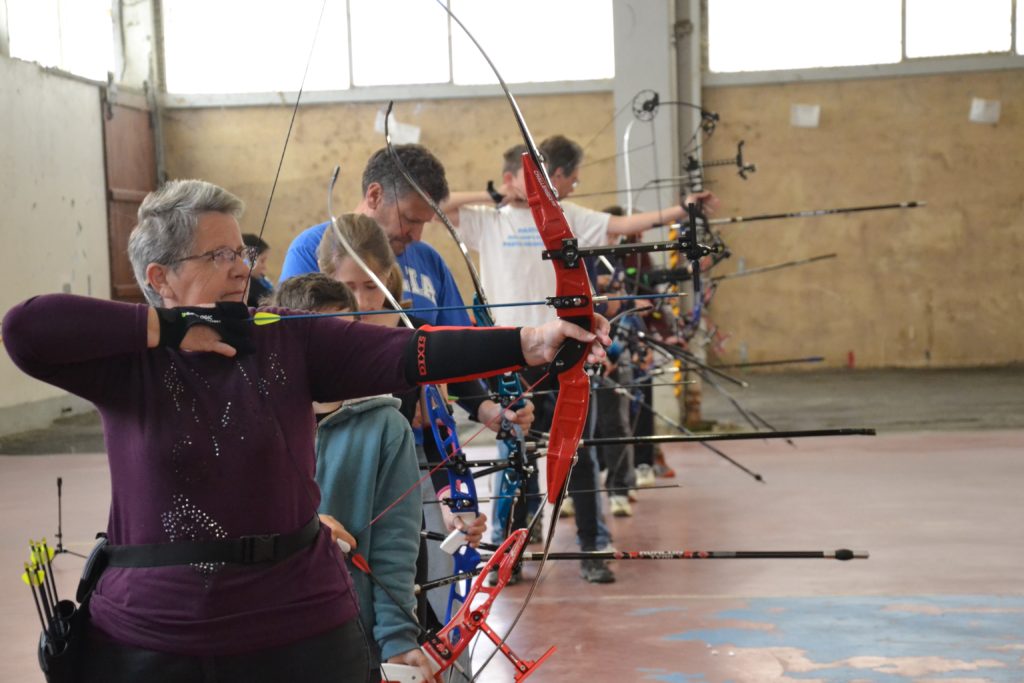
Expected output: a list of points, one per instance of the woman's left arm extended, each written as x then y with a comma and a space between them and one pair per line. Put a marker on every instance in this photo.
438, 354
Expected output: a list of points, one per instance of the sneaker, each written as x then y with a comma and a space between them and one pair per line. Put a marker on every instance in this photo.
568, 508
596, 571
645, 476
620, 506
661, 468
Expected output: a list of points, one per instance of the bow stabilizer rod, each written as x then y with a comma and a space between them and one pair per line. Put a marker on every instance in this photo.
737, 436
814, 213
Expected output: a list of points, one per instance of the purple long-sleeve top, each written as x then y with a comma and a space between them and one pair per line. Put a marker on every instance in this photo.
203, 446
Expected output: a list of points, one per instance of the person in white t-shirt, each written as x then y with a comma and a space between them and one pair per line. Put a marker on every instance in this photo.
498, 224
502, 230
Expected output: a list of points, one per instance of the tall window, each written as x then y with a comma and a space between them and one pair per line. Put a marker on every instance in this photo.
753, 35
938, 28
237, 46
76, 36
575, 43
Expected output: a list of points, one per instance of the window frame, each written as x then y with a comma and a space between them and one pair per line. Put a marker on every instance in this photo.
375, 93
907, 66
382, 93
5, 43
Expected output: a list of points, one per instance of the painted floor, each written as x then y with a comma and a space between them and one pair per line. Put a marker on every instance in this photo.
940, 599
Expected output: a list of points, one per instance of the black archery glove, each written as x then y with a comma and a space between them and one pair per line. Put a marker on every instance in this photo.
228, 319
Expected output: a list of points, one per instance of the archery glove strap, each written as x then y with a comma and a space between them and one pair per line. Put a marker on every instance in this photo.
228, 319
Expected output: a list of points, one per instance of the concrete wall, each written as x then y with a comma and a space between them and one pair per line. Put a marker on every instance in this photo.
54, 220
939, 286
644, 57
239, 149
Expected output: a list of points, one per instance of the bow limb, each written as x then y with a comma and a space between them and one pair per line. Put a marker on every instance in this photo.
340, 236
572, 282
572, 404
572, 288
444, 647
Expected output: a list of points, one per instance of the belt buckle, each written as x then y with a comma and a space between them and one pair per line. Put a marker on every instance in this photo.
258, 548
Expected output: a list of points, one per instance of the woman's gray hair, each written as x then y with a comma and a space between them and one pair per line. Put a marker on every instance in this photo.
168, 218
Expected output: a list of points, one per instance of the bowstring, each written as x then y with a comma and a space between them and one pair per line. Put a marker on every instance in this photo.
287, 138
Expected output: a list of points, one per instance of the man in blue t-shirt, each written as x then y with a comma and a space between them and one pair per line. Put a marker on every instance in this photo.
392, 202
427, 280
397, 208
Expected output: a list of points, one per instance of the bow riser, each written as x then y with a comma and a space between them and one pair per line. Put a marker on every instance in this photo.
462, 494
571, 283
444, 647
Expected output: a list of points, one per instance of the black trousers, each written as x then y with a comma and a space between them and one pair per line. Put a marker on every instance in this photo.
612, 420
643, 421
336, 656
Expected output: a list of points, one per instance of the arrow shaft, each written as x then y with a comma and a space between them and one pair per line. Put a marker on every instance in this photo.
678, 353
438, 309
815, 213
766, 363
841, 554
494, 396
359, 561
49, 570
31, 579
683, 430
422, 588
485, 499
777, 266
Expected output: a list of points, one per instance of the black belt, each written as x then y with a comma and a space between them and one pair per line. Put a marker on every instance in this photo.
245, 550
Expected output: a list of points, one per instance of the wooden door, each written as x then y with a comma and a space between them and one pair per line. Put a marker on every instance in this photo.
130, 151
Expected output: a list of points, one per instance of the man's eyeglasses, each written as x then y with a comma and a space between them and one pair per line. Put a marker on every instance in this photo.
222, 256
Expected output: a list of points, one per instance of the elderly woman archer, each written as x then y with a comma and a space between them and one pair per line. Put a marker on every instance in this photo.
209, 432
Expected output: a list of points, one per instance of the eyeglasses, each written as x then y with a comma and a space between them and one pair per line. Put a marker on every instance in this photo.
223, 256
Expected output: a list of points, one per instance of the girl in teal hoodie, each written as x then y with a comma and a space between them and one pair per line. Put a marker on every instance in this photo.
366, 460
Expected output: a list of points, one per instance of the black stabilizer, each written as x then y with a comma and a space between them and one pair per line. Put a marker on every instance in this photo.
844, 554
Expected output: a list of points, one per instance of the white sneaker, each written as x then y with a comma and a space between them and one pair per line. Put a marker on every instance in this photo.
568, 508
620, 506
645, 476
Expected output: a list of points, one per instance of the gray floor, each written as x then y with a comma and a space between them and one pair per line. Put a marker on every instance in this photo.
888, 400
937, 504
